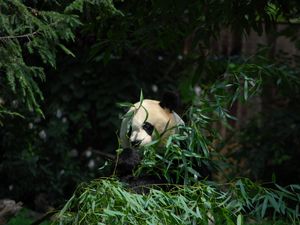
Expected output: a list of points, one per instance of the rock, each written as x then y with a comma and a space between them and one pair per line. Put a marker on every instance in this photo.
8, 208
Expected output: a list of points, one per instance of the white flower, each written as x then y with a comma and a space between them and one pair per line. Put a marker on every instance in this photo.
11, 187
88, 153
58, 113
91, 164
154, 88
197, 90
160, 58
64, 120
43, 134
179, 57
30, 126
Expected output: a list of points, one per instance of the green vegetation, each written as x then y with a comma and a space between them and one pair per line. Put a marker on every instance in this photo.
107, 201
65, 64
24, 218
26, 31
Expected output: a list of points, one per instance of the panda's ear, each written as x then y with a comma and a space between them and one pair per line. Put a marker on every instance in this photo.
170, 100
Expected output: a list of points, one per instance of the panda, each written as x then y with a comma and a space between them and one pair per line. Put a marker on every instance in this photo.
148, 120
145, 122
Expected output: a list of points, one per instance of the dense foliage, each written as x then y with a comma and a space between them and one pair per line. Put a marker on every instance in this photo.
95, 53
37, 150
107, 201
193, 203
270, 141
27, 31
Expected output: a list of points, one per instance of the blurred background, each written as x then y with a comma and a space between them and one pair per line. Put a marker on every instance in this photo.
65, 65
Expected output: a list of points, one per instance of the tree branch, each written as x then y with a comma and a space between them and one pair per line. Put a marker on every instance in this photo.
19, 36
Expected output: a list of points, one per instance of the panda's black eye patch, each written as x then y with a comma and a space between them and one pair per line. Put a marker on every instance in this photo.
148, 127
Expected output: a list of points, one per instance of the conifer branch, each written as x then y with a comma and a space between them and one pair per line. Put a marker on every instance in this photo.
19, 36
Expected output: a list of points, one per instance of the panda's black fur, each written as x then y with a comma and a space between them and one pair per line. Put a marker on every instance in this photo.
170, 100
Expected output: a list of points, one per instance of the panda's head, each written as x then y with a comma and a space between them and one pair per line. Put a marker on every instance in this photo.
147, 120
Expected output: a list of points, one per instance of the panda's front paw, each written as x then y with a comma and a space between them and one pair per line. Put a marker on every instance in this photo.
127, 161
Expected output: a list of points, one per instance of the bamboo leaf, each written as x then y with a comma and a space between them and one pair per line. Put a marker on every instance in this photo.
239, 220
66, 50
264, 207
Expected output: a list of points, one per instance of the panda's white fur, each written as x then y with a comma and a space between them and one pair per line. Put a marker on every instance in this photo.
150, 112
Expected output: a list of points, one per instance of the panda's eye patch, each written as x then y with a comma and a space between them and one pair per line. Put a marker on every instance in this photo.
148, 127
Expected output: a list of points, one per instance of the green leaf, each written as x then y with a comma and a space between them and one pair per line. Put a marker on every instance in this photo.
264, 207
75, 5
141, 97
273, 202
194, 172
66, 50
124, 104
283, 189
239, 220
113, 212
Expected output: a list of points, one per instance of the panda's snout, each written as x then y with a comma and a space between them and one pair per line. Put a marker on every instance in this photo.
136, 143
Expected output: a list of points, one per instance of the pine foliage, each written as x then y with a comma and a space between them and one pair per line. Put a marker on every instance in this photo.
26, 31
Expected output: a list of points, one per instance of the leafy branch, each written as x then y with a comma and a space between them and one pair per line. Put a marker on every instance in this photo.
107, 201
19, 36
